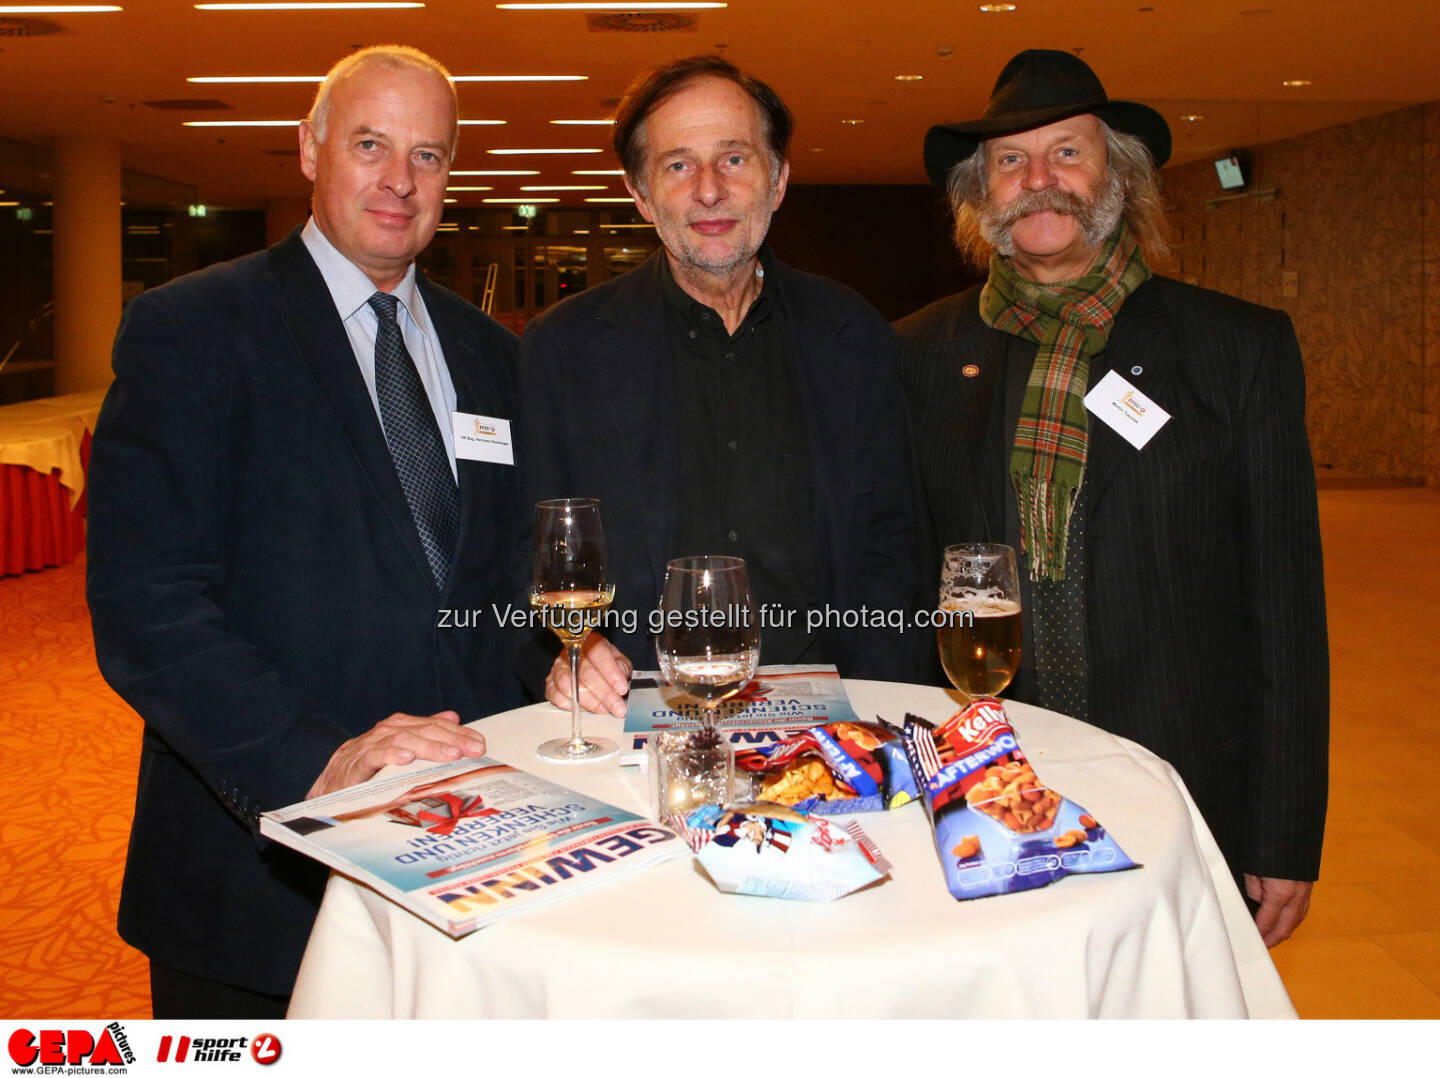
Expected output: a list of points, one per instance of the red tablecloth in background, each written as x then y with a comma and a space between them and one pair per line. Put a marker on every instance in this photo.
38, 526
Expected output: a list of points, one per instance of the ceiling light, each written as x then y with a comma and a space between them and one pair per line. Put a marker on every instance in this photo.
611, 199
519, 78
514, 228
1296, 82
597, 172
321, 78
583, 123
563, 149
483, 123
240, 123
57, 9
302, 7
612, 5
563, 187
996, 9
1192, 118
643, 224
581, 232
495, 172
451, 201
497, 201
908, 78
469, 188
852, 123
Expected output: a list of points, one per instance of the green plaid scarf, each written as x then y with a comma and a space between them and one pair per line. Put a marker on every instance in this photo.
1071, 320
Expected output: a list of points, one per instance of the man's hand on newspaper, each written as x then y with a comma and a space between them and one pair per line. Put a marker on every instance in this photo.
604, 678
397, 740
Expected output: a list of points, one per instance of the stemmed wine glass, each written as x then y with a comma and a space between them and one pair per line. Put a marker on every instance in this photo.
980, 638
708, 647
571, 590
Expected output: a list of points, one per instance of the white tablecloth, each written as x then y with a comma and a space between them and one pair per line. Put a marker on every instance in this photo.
1171, 939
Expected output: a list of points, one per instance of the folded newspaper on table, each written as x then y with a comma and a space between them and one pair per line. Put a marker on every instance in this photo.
778, 701
466, 843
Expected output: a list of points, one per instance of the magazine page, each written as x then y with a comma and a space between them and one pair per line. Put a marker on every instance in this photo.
466, 843
778, 701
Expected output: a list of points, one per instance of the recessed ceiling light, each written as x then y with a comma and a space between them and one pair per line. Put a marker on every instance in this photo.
514, 228
483, 123
495, 172
610, 200
561, 149
57, 9
240, 123
321, 78
564, 187
597, 172
451, 201
1296, 82
303, 7
510, 201
584, 123
1192, 117
996, 9
852, 123
908, 78
469, 188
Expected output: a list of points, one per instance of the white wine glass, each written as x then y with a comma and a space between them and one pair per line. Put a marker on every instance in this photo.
571, 589
979, 627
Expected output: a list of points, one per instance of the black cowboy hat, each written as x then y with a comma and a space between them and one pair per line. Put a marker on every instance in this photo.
1037, 87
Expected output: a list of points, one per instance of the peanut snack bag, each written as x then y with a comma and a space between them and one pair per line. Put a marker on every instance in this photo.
998, 827
835, 768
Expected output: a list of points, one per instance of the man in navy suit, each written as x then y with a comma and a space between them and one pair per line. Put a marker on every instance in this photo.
1144, 442
719, 402
278, 516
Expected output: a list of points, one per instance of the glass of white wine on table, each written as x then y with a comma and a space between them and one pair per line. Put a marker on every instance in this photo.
571, 589
708, 647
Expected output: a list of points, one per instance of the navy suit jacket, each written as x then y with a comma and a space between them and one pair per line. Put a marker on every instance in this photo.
599, 420
258, 589
1204, 591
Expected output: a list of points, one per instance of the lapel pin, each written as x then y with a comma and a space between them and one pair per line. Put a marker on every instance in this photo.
970, 370
1137, 369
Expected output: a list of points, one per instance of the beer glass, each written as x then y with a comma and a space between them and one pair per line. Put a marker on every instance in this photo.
979, 624
571, 589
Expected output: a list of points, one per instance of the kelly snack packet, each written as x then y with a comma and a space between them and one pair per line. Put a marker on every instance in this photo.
998, 828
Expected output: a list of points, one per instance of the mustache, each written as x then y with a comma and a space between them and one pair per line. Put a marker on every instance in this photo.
1051, 198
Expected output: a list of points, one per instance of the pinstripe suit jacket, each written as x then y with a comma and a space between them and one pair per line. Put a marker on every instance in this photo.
1204, 590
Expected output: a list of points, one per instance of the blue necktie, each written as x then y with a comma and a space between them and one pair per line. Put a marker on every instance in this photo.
414, 441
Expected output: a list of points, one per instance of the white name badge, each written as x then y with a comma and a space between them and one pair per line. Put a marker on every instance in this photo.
482, 437
1125, 410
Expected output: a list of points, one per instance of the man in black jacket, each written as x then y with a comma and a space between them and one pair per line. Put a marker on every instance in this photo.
277, 513
1143, 442
718, 402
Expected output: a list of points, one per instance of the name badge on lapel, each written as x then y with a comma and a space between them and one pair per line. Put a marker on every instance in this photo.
482, 437
1125, 410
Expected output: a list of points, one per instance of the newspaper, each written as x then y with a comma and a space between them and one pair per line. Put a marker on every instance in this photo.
776, 703
465, 844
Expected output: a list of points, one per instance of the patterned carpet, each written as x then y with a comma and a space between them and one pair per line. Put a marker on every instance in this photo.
67, 788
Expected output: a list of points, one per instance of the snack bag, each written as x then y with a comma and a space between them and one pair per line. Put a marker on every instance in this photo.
998, 828
835, 768
757, 849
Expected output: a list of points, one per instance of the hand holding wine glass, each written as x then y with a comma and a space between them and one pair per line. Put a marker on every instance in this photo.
980, 640
571, 590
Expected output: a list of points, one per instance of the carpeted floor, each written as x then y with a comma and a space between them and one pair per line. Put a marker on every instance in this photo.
1370, 949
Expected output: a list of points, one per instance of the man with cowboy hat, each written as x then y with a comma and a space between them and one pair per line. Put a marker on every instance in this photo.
1143, 443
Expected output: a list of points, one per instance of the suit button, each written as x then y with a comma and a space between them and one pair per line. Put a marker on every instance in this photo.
732, 535
732, 445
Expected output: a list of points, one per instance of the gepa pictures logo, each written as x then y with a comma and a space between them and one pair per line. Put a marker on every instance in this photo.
71, 1047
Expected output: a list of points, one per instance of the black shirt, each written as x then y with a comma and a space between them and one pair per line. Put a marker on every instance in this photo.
745, 458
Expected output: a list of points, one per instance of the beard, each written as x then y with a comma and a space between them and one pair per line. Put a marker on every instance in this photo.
1095, 217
